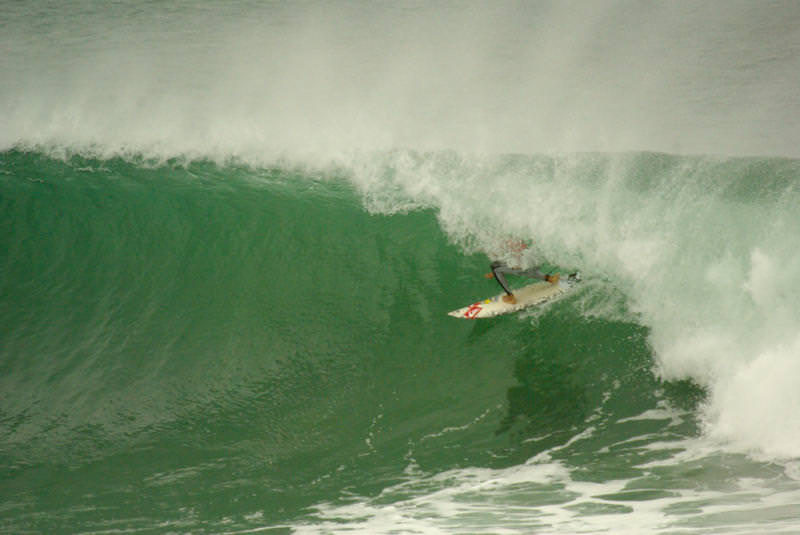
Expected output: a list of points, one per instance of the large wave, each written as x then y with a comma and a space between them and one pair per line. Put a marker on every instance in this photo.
230, 232
701, 249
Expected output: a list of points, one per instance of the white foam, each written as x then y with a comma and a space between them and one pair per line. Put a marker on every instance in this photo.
756, 405
692, 491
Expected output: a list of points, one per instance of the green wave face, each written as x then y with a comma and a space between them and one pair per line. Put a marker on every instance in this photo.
231, 345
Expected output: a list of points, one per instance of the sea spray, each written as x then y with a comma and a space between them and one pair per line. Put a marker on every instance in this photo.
219, 79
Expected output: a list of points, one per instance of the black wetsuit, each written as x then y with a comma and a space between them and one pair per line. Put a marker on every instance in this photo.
499, 268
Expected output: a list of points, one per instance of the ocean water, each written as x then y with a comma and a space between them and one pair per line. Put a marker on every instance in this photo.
230, 233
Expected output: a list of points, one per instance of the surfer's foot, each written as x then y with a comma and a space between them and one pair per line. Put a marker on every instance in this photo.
510, 299
552, 279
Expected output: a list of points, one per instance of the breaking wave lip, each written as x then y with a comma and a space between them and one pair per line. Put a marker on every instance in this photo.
702, 248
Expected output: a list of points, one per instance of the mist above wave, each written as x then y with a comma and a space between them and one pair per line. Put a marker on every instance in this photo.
240, 79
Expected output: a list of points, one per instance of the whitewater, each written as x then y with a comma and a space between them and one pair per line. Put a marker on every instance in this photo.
231, 231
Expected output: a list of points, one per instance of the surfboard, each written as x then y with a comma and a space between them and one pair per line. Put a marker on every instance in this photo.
534, 294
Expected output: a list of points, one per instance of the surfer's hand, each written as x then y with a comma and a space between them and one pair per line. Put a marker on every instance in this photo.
489, 275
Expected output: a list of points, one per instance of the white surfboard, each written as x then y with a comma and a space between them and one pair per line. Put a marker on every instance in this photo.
527, 296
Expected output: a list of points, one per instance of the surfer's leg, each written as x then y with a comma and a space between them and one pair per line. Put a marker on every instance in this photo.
534, 273
498, 268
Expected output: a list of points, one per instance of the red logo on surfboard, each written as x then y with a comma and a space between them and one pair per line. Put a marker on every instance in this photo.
473, 310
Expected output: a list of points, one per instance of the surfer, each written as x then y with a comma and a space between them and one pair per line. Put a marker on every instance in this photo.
499, 269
